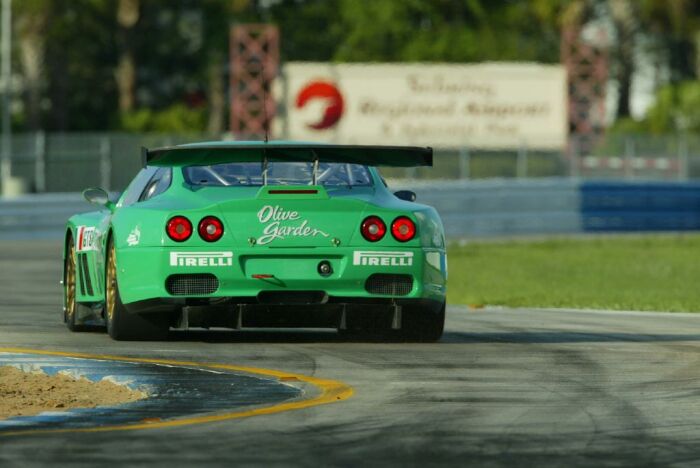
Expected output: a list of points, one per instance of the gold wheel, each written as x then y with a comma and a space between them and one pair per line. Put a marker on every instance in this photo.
70, 284
111, 284
122, 325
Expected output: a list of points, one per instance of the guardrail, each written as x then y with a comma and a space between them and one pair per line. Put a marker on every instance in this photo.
468, 208
39, 216
503, 207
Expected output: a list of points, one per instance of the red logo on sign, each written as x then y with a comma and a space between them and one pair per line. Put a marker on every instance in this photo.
329, 93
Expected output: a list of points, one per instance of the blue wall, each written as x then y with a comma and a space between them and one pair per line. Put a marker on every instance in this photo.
514, 207
640, 206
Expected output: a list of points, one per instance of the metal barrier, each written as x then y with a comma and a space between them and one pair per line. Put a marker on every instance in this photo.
39, 216
468, 209
479, 209
50, 162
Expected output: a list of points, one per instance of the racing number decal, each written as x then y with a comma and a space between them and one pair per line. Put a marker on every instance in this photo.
86, 239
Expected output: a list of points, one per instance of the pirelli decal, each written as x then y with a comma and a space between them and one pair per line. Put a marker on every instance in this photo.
201, 259
398, 259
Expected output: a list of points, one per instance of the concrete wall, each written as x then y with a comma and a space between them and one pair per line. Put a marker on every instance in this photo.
469, 209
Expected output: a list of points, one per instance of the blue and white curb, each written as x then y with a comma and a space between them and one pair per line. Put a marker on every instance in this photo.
173, 391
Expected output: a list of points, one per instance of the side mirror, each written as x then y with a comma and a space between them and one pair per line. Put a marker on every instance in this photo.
406, 195
99, 197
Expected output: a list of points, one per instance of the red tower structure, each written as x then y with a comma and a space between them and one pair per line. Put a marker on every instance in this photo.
587, 69
254, 62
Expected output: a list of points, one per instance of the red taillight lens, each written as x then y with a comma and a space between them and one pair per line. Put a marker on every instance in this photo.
179, 228
373, 228
210, 229
403, 229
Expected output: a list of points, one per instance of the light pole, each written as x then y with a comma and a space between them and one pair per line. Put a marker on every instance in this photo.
5, 73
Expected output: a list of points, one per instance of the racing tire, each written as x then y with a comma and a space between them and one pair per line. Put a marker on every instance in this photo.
72, 309
423, 325
122, 325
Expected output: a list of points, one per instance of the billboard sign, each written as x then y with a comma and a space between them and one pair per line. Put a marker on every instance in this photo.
489, 106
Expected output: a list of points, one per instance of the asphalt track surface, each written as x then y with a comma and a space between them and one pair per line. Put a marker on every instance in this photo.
502, 388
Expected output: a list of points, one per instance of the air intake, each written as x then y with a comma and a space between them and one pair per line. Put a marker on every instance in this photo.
192, 285
390, 285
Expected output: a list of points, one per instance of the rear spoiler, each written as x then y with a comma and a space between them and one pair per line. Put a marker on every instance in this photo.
205, 154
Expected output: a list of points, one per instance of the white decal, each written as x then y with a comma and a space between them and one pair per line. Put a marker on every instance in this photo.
201, 259
86, 239
434, 260
382, 258
134, 237
275, 215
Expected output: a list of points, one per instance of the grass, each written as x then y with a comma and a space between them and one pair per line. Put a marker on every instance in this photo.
622, 272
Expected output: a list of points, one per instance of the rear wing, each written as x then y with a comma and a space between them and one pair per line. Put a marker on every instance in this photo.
205, 154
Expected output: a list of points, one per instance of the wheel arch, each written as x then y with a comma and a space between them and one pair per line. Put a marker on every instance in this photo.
67, 241
109, 237
68, 237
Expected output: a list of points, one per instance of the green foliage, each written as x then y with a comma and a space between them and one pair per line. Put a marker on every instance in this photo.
674, 26
79, 57
581, 273
676, 109
447, 31
177, 118
310, 30
177, 47
627, 126
174, 47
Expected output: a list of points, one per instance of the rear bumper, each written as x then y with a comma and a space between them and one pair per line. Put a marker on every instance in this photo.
143, 273
169, 304
237, 312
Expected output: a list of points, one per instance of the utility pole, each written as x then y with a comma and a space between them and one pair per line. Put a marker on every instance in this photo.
5, 73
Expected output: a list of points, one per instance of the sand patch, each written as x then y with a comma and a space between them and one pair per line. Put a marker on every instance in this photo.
29, 393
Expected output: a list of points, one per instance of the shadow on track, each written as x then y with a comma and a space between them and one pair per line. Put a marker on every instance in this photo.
533, 337
278, 335
282, 335
257, 336
332, 336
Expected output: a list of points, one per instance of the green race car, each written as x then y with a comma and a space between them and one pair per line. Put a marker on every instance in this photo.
259, 234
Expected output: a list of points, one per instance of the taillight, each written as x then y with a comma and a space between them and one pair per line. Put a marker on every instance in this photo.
210, 229
179, 228
403, 229
373, 228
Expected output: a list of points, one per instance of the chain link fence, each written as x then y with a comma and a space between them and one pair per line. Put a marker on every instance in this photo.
47, 162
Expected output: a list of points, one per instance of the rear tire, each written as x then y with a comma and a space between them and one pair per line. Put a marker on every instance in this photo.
122, 325
423, 325
72, 309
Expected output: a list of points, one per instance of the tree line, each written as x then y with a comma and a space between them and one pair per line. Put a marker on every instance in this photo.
161, 65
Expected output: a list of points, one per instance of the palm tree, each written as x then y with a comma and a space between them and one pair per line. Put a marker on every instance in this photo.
128, 12
31, 18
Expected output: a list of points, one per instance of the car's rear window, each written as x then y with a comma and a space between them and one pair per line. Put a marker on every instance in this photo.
278, 173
